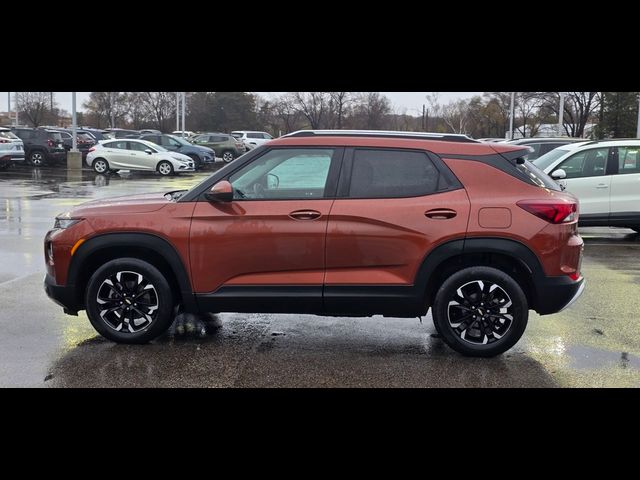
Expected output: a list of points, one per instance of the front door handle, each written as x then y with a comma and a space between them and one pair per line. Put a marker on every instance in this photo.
602, 185
305, 215
441, 213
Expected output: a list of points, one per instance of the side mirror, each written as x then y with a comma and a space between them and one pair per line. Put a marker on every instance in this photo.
149, 151
220, 192
559, 174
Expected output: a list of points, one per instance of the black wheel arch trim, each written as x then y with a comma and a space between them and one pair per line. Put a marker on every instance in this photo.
514, 249
150, 241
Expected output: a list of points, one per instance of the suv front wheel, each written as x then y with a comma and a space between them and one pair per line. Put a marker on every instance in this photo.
480, 311
129, 301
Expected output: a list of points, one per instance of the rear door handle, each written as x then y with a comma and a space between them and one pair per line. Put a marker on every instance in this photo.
440, 213
305, 214
602, 185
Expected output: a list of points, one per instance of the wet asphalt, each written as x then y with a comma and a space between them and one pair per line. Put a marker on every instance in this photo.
595, 343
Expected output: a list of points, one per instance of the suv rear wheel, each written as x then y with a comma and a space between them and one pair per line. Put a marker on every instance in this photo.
129, 301
480, 311
36, 158
227, 156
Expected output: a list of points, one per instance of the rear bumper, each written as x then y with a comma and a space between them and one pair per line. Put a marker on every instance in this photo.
63, 295
554, 294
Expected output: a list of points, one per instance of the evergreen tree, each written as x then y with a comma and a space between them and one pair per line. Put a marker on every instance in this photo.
619, 115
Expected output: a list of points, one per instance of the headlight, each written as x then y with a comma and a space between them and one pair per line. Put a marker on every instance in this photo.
65, 222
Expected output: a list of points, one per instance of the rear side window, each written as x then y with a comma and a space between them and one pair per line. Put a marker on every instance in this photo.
628, 160
25, 134
392, 173
218, 139
8, 135
119, 145
254, 135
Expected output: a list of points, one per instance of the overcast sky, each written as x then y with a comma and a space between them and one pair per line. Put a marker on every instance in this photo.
412, 101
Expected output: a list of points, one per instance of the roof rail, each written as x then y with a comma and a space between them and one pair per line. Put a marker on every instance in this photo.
447, 137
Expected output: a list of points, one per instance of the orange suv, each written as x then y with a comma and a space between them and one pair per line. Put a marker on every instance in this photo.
344, 223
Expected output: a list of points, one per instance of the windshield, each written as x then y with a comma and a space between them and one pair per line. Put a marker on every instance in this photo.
547, 159
158, 148
180, 140
236, 134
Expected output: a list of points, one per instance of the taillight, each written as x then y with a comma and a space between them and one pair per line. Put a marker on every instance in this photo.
50, 142
4, 141
552, 211
92, 149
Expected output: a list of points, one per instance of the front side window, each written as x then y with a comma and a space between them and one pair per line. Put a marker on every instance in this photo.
254, 135
588, 163
139, 147
284, 174
393, 173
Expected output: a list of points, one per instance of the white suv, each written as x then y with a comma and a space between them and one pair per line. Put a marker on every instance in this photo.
251, 139
604, 175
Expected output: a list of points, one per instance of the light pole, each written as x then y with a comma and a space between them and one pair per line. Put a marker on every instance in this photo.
511, 114
177, 111
16, 107
74, 126
9, 104
638, 128
184, 101
560, 114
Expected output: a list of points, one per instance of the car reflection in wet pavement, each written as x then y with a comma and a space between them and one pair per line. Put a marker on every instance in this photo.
596, 342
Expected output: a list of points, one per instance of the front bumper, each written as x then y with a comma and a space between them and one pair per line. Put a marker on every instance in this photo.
554, 294
63, 295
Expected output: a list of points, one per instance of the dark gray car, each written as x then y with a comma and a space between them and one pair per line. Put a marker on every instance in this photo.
201, 155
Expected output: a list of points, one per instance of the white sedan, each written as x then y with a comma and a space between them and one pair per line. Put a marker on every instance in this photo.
130, 154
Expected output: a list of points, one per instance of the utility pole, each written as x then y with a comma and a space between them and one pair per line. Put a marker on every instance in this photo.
177, 111
16, 107
512, 113
9, 104
560, 114
184, 101
424, 124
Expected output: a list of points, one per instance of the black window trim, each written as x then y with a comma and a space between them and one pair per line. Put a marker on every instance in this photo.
330, 185
344, 183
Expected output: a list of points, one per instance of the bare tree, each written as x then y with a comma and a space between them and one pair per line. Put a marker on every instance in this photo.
33, 106
161, 107
456, 115
528, 105
340, 103
372, 111
579, 108
314, 106
102, 107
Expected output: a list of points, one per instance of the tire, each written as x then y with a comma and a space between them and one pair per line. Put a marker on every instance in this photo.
37, 158
501, 325
129, 277
165, 168
197, 163
100, 165
227, 156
